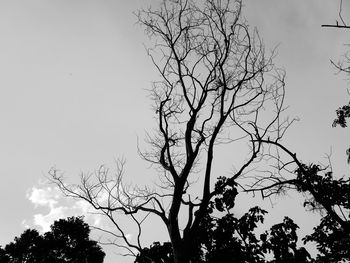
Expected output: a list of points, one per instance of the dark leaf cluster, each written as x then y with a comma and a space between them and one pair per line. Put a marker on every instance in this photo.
332, 235
326, 190
342, 113
67, 242
227, 192
157, 253
332, 241
223, 237
282, 242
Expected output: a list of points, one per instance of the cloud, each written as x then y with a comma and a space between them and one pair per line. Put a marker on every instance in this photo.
57, 206
43, 197
50, 205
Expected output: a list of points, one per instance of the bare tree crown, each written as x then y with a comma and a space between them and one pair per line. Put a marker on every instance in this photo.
212, 72
217, 85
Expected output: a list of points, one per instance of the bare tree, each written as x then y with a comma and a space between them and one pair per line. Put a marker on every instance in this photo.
341, 22
217, 86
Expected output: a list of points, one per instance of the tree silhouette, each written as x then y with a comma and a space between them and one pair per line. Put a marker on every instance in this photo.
231, 239
332, 235
217, 86
67, 241
343, 112
323, 193
26, 248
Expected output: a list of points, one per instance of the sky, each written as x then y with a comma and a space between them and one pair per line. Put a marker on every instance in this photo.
73, 85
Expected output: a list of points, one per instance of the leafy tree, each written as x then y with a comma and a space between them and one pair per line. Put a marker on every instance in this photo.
332, 241
67, 241
282, 242
26, 248
323, 193
231, 239
225, 238
213, 89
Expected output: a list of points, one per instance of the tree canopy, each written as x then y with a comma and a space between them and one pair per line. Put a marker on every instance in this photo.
67, 242
227, 238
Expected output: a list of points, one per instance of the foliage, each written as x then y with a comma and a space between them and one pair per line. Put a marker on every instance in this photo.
325, 189
226, 193
233, 239
324, 193
342, 114
282, 242
225, 238
332, 235
157, 253
332, 241
26, 248
67, 241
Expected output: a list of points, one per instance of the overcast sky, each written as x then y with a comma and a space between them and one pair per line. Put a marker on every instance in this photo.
74, 75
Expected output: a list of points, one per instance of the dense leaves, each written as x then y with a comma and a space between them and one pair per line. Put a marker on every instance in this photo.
332, 241
226, 194
234, 240
332, 235
282, 242
225, 238
27, 248
157, 253
68, 241
342, 114
325, 190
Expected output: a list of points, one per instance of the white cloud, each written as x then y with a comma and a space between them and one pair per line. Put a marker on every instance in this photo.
44, 221
43, 197
57, 206
50, 205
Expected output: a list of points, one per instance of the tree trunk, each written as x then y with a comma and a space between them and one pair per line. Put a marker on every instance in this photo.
181, 253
